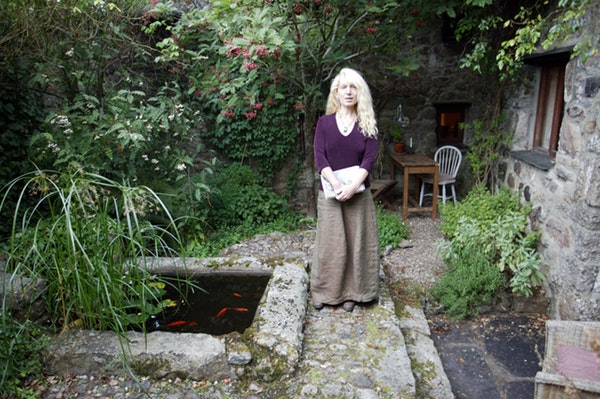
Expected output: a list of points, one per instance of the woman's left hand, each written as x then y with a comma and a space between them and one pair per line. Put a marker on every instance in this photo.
346, 192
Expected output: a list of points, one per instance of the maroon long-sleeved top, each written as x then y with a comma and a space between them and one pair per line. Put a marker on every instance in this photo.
337, 151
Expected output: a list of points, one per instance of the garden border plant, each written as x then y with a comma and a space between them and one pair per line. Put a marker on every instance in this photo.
486, 229
85, 236
88, 237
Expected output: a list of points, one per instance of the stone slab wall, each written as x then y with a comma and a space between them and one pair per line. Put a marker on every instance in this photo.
566, 197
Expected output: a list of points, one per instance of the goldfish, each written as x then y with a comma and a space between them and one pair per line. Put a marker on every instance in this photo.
177, 323
222, 311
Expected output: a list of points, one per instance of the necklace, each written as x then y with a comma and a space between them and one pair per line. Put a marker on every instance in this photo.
344, 126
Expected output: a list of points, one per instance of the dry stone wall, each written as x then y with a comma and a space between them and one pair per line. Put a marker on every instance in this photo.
566, 197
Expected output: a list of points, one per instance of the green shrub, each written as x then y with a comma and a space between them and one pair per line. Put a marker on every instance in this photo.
469, 283
392, 230
242, 197
20, 356
240, 205
478, 205
496, 226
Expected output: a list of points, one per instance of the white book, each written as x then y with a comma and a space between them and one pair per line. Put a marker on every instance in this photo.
345, 176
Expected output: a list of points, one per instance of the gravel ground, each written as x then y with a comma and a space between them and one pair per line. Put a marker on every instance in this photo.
416, 259
414, 264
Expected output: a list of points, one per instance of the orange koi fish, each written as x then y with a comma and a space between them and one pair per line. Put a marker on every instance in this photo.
221, 313
237, 294
177, 323
239, 309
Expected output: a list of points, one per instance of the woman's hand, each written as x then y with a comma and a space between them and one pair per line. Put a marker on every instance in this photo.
345, 192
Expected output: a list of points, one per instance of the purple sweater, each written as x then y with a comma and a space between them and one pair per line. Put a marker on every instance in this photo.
338, 151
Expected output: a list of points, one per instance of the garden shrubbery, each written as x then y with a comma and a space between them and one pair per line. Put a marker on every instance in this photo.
392, 230
487, 246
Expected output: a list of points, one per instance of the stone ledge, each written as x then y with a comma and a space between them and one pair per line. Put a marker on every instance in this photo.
158, 355
275, 341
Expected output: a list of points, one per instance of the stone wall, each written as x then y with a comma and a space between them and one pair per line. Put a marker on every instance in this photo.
566, 197
438, 80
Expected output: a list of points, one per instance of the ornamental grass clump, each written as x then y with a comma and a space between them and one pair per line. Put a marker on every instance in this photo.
85, 235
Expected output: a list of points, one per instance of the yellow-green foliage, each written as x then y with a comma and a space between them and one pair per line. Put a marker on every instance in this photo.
495, 227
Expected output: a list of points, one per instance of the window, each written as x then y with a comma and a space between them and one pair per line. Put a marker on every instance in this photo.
550, 100
549, 109
449, 117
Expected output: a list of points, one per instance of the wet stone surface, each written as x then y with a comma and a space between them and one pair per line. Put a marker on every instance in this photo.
493, 356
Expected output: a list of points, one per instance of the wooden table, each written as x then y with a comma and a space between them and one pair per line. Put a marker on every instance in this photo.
413, 164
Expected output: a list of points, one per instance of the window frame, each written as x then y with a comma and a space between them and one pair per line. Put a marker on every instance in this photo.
552, 77
546, 63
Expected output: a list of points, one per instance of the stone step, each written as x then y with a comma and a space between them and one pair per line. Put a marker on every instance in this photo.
361, 354
364, 354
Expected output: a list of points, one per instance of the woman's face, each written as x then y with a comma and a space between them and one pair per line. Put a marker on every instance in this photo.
347, 93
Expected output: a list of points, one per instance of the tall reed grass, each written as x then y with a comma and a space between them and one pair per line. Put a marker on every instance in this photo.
88, 237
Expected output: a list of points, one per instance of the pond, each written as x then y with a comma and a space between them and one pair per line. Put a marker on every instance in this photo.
224, 303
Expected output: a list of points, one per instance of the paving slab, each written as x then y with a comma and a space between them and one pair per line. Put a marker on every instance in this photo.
493, 356
361, 354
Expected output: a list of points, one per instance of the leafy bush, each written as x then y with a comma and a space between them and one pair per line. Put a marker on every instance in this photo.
496, 226
238, 79
392, 229
128, 135
240, 205
20, 356
469, 283
478, 205
242, 197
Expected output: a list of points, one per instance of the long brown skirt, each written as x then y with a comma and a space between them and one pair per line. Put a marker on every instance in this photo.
346, 258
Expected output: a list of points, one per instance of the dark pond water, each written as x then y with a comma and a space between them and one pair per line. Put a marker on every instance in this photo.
227, 303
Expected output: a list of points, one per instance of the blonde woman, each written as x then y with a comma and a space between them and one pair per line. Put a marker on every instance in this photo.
345, 267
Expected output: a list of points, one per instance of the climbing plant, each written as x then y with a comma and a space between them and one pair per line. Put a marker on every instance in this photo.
500, 41
248, 59
488, 144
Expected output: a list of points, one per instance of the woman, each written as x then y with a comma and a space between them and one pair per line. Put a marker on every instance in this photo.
346, 260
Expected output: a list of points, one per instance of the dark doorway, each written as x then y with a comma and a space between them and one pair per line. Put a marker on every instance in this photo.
450, 117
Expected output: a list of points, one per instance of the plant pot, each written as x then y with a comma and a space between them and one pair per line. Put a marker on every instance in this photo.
399, 148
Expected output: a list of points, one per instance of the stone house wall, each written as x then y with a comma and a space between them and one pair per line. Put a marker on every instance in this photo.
566, 196
438, 80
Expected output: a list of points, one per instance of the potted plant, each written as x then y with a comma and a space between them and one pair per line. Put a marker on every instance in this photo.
397, 136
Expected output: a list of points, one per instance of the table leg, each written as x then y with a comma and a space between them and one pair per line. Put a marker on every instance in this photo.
435, 193
405, 194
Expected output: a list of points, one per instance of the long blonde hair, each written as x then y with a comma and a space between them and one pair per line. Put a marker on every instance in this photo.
364, 103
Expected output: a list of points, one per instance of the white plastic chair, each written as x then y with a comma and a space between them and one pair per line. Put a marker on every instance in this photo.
448, 158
